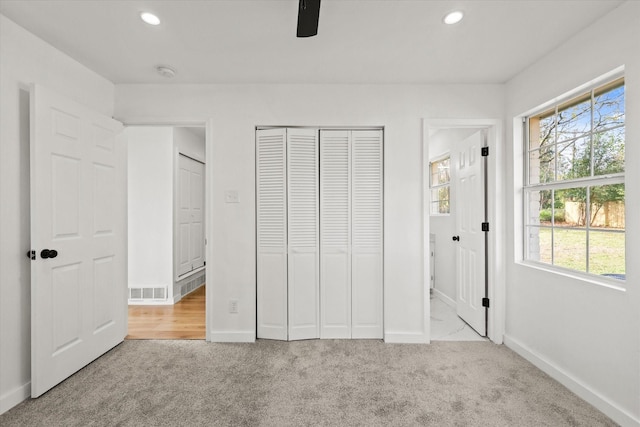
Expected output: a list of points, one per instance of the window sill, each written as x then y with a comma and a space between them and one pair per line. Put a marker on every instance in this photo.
603, 281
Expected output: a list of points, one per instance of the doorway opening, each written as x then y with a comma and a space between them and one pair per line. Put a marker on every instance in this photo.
461, 229
166, 217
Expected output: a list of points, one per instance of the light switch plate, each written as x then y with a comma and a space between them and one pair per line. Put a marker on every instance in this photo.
231, 196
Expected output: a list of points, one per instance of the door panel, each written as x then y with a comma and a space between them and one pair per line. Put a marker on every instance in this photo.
367, 294
335, 237
366, 277
272, 294
196, 251
469, 218
184, 216
104, 301
78, 208
303, 228
336, 293
271, 221
303, 294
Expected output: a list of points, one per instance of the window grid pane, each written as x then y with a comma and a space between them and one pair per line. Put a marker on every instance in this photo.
577, 148
440, 186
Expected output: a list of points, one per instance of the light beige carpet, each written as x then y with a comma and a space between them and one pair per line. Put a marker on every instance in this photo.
307, 383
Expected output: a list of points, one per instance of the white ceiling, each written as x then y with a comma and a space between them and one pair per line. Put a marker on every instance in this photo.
358, 41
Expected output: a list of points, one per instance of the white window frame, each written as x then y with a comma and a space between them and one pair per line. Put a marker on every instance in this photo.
554, 184
435, 188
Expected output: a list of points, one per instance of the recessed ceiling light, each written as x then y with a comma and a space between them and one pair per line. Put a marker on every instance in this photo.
150, 18
453, 17
165, 71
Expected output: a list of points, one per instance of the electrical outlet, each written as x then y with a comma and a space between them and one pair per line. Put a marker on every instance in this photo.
233, 306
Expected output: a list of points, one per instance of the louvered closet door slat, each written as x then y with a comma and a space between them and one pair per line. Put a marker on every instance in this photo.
367, 232
335, 234
271, 199
303, 228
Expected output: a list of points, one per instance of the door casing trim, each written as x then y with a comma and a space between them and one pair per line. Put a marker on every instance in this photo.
495, 197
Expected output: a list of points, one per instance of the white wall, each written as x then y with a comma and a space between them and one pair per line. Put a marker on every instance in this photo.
150, 186
189, 143
25, 59
586, 335
235, 110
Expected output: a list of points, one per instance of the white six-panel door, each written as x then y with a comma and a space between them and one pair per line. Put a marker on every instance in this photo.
78, 209
470, 247
190, 214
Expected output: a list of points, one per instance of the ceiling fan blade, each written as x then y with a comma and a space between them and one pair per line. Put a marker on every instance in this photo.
308, 14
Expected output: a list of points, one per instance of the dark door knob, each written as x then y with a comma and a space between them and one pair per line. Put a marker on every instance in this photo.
48, 253
456, 238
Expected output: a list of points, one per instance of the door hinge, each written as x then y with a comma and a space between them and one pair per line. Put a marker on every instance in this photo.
485, 302
484, 151
485, 226
31, 255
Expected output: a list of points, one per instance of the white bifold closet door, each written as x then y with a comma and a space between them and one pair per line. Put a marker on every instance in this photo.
351, 185
287, 230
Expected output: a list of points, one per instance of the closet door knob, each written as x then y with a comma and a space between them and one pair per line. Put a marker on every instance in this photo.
456, 238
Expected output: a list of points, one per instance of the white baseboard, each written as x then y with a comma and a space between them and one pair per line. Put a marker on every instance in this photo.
609, 408
232, 336
445, 298
405, 338
14, 397
150, 301
191, 273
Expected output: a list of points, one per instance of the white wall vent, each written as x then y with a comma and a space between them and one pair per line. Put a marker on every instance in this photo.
192, 284
158, 293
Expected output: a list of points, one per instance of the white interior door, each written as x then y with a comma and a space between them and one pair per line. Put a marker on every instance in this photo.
367, 232
78, 210
335, 233
470, 247
271, 200
190, 214
302, 222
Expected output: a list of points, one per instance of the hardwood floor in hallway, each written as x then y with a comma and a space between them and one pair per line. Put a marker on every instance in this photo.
182, 321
